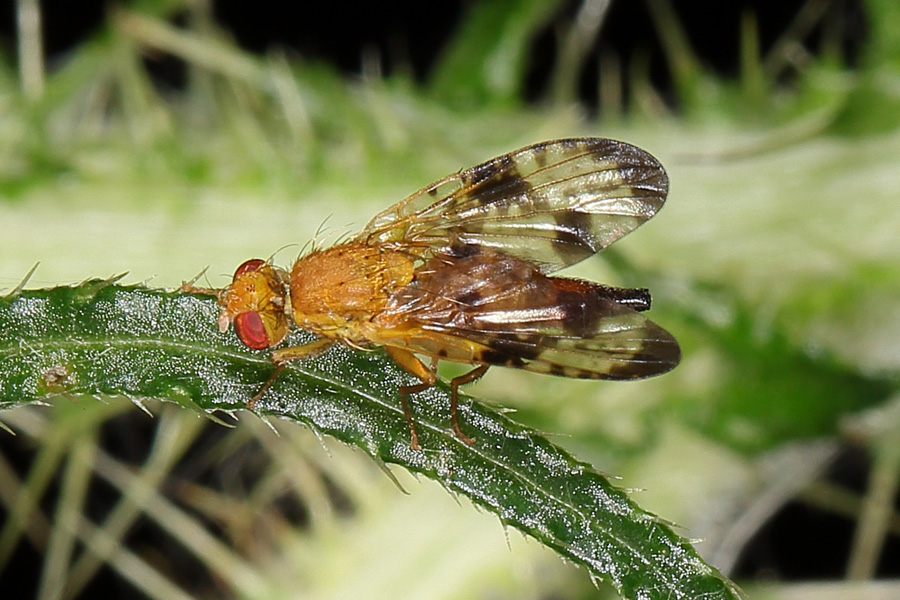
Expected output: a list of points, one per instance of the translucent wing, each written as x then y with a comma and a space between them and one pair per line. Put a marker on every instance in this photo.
498, 310
551, 204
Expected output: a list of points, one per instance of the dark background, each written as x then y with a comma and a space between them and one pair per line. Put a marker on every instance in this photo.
798, 543
409, 35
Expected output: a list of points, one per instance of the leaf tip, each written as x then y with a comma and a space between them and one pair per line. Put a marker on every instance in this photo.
6, 428
24, 281
140, 404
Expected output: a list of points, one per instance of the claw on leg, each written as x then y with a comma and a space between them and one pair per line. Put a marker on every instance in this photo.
463, 379
405, 391
414, 366
282, 357
251, 404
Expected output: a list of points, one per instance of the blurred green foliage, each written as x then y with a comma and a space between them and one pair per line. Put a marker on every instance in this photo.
774, 261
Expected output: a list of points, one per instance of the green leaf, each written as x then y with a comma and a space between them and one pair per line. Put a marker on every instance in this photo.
98, 338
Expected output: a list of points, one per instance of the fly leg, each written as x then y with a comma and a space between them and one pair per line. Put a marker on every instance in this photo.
405, 391
284, 356
414, 366
463, 379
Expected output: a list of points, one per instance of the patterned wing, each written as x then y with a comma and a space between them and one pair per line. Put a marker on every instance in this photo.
551, 204
498, 310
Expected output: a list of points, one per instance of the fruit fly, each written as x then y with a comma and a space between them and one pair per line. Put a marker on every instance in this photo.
460, 271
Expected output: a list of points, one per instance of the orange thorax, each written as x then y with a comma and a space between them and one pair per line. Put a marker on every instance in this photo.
336, 292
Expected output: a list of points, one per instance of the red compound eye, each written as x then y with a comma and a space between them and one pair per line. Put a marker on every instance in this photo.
255, 305
251, 330
247, 266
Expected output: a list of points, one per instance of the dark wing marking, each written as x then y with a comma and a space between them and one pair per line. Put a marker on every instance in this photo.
551, 204
498, 310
